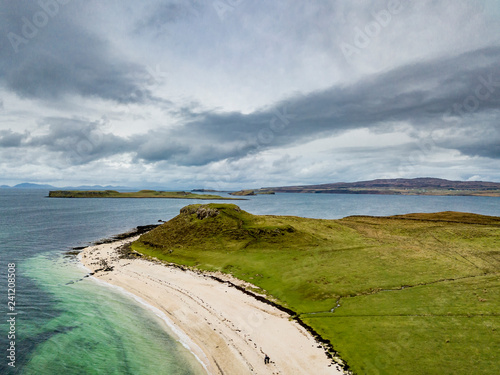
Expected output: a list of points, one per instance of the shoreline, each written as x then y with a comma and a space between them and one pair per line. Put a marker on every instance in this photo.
180, 336
227, 329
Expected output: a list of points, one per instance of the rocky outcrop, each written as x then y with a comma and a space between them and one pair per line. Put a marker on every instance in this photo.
201, 211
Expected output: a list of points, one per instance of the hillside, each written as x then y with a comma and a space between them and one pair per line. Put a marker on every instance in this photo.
418, 292
399, 186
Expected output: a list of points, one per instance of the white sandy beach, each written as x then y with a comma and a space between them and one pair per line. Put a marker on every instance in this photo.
229, 331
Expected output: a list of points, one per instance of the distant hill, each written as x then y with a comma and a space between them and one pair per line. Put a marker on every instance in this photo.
399, 186
28, 185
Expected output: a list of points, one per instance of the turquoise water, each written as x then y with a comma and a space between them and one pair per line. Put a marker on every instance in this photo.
65, 325
97, 330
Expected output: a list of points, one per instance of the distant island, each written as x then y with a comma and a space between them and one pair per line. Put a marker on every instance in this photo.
398, 186
138, 194
251, 192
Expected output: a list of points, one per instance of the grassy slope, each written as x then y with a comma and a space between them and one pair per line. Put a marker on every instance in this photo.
138, 194
444, 321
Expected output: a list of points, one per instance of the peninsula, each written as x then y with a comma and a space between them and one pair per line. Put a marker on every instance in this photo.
413, 294
138, 194
398, 186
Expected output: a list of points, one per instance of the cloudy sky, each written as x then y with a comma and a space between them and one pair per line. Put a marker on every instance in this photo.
248, 93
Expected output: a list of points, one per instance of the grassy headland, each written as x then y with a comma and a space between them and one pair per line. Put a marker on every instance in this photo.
138, 194
410, 294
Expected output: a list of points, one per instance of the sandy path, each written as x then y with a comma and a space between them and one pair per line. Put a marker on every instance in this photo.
229, 331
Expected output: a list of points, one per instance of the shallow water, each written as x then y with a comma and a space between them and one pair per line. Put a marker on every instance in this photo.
65, 325
97, 329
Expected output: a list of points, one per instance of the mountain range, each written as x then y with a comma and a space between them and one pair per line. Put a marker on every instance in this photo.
29, 185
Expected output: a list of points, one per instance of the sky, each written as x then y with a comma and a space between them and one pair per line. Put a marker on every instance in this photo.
230, 94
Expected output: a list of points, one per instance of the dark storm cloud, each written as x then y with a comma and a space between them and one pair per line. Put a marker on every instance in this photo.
481, 139
186, 148
436, 94
167, 12
45, 55
448, 94
486, 148
10, 139
77, 140
418, 93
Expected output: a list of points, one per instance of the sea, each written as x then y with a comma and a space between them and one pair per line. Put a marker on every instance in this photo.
56, 321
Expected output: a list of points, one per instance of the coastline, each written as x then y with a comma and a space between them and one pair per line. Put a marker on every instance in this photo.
226, 329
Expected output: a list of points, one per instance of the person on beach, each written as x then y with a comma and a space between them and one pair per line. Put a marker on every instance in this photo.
266, 359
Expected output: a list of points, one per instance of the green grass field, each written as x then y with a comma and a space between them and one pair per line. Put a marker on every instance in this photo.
411, 294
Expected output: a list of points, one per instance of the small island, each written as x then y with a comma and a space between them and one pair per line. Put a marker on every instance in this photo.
137, 194
252, 192
243, 193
